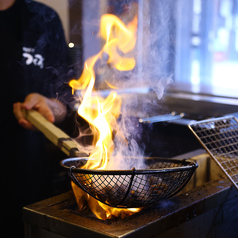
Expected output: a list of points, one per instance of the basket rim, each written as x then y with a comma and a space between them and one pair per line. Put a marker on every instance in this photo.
188, 165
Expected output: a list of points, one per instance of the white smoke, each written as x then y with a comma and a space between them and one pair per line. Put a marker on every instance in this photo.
152, 72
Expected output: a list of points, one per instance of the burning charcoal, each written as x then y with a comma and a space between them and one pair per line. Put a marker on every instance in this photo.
111, 194
138, 191
108, 187
145, 188
155, 180
134, 195
117, 193
158, 189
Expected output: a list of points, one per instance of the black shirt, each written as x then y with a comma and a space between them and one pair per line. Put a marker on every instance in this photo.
10, 36
11, 77
33, 58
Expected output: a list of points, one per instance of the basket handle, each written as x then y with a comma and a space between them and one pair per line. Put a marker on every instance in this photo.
54, 134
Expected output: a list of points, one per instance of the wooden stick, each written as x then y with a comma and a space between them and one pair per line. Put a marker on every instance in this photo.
54, 134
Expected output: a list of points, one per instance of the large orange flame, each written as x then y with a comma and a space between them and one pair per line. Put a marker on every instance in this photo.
102, 113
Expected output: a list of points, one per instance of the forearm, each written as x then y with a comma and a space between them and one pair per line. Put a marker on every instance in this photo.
52, 109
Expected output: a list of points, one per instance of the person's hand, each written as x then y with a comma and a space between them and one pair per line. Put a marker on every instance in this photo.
52, 109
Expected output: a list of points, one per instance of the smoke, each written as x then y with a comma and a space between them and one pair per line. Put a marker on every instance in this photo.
153, 72
127, 152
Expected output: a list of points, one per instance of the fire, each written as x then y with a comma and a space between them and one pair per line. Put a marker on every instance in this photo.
102, 113
101, 210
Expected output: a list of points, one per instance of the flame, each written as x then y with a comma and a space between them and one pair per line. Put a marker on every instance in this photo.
102, 113
101, 210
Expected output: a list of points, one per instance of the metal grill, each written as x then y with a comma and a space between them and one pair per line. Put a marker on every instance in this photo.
161, 178
220, 138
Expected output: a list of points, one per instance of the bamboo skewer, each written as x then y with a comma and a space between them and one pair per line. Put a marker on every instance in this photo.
54, 134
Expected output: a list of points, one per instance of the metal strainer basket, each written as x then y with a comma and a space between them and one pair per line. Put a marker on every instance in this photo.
161, 179
219, 136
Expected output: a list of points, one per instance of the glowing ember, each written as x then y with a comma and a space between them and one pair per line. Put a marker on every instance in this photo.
102, 113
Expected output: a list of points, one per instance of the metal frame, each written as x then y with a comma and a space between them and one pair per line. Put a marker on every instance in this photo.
219, 137
161, 179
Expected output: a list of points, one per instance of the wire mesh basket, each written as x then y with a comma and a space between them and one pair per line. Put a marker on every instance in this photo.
161, 179
219, 136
